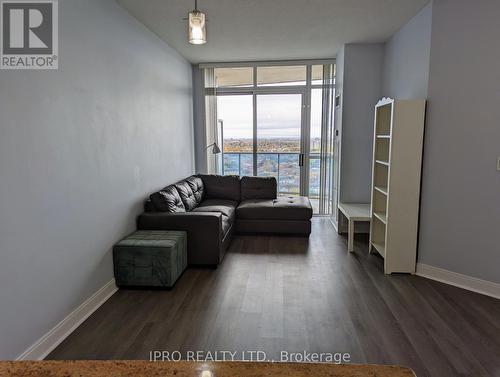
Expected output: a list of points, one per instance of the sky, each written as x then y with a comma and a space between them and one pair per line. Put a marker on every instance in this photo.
278, 115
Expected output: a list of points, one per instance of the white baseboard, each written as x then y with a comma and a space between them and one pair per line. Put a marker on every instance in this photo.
47, 343
470, 283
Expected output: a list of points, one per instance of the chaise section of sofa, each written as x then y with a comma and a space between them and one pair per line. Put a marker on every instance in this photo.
262, 211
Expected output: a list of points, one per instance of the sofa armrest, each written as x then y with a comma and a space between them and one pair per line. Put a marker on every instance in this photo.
204, 232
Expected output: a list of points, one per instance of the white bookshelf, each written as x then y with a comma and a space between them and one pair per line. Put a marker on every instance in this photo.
397, 162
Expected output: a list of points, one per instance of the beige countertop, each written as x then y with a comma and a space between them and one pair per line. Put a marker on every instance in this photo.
194, 369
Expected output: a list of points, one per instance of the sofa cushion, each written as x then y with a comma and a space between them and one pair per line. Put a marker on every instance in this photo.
197, 187
221, 186
167, 200
282, 208
226, 207
258, 188
186, 195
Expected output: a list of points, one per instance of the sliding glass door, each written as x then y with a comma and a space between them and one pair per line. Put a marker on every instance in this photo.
269, 147
279, 140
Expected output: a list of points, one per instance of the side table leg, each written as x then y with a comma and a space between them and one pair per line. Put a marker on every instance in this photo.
350, 237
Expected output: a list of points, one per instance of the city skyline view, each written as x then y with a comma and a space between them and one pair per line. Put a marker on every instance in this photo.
278, 115
269, 144
276, 157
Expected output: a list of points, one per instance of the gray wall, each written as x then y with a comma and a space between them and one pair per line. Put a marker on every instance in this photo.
460, 211
406, 61
362, 88
80, 148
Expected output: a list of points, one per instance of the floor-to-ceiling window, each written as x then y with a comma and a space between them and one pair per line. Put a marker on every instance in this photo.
272, 120
235, 114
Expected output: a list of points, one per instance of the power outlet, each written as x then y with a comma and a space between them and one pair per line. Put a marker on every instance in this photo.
498, 163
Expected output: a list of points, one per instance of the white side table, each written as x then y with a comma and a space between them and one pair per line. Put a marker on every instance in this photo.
354, 212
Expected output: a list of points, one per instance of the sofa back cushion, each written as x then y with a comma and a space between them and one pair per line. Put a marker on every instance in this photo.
186, 194
221, 186
258, 188
149, 206
197, 187
167, 200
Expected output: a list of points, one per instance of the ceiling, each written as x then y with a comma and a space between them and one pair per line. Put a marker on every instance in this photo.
246, 30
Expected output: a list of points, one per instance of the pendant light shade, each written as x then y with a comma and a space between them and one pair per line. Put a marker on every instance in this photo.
196, 25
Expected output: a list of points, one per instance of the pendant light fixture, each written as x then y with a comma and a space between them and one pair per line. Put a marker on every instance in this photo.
197, 32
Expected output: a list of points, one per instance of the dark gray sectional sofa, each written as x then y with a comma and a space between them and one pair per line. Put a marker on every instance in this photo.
211, 208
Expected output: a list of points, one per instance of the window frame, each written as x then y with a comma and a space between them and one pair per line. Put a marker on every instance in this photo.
256, 90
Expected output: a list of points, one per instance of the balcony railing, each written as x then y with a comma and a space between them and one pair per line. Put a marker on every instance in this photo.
284, 166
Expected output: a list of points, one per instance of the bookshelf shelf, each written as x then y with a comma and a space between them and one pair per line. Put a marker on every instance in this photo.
381, 189
381, 216
379, 247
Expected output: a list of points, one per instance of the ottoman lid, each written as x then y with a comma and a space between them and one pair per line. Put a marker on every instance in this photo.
153, 238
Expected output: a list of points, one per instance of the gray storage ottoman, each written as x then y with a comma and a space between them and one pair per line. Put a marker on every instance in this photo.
150, 258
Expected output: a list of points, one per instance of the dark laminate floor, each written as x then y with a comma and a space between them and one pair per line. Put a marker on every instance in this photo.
293, 294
